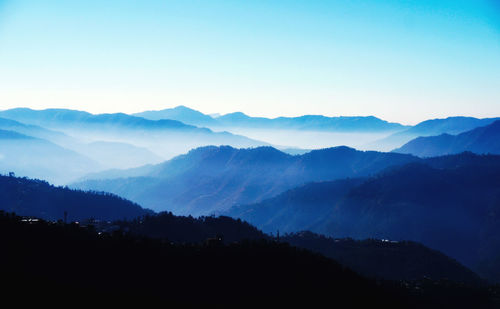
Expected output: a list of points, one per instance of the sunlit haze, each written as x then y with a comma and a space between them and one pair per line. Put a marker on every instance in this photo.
403, 61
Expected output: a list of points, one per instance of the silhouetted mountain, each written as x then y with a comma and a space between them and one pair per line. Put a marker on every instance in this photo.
55, 263
450, 125
176, 137
384, 259
182, 114
37, 198
212, 179
180, 229
38, 158
480, 140
373, 258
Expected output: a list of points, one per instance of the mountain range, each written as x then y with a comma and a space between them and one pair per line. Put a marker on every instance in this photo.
37, 198
484, 139
212, 179
241, 120
105, 213
175, 136
39, 158
448, 203
450, 125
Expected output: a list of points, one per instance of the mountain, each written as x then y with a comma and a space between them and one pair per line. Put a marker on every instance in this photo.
182, 114
117, 155
176, 137
387, 260
453, 210
241, 120
450, 125
310, 122
298, 209
372, 258
37, 198
212, 179
108, 154
38, 158
31, 130
480, 140
122, 269
448, 203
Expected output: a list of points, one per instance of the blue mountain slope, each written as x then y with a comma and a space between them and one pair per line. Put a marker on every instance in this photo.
480, 140
180, 113
450, 125
27, 197
212, 179
448, 203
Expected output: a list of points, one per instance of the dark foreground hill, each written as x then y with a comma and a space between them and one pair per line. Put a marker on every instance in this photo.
372, 258
40, 199
60, 263
385, 259
212, 179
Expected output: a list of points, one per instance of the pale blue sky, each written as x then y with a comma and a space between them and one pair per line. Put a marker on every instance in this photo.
402, 61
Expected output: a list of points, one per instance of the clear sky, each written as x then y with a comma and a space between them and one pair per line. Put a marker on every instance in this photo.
400, 60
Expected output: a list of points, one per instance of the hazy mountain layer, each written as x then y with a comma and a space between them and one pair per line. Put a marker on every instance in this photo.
38, 158
307, 122
182, 114
212, 179
165, 138
480, 140
450, 125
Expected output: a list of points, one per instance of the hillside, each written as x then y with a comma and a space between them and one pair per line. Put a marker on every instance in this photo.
447, 203
45, 257
454, 210
372, 258
298, 209
37, 198
212, 179
479, 140
63, 258
384, 259
450, 125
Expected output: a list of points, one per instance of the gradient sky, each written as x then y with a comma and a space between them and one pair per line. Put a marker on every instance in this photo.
403, 61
